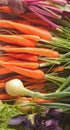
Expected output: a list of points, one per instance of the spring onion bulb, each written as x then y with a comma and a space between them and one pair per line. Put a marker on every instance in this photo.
14, 87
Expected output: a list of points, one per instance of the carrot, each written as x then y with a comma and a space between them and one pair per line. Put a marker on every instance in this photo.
29, 15
38, 100
27, 29
36, 51
2, 85
6, 58
36, 74
35, 86
22, 21
6, 9
17, 39
32, 37
58, 68
12, 77
5, 96
4, 71
25, 57
29, 65
30, 81
36, 21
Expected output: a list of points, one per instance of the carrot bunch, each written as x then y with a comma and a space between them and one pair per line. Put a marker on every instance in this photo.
23, 46
21, 54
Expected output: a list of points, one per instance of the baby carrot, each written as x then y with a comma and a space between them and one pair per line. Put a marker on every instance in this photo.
35, 20
5, 96
12, 77
2, 85
6, 58
36, 74
17, 39
5, 8
39, 100
4, 71
58, 68
28, 65
27, 29
36, 86
32, 37
29, 15
33, 81
21, 21
36, 51
25, 57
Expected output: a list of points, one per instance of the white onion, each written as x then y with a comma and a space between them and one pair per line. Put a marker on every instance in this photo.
14, 87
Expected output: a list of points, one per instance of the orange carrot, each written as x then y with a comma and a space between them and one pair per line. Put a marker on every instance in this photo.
28, 65
36, 21
5, 8
12, 77
37, 51
58, 68
2, 85
38, 100
22, 21
36, 86
35, 100
5, 96
30, 15
25, 57
6, 58
27, 29
29, 80
32, 37
17, 39
36, 74
4, 71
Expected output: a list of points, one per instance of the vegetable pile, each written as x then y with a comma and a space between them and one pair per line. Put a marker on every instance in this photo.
34, 64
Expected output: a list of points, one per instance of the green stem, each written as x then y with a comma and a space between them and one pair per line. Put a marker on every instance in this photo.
55, 105
26, 92
50, 105
56, 95
67, 89
53, 78
66, 82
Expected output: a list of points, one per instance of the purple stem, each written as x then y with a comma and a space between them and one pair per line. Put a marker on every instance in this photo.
29, 1
46, 13
54, 26
62, 2
49, 7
